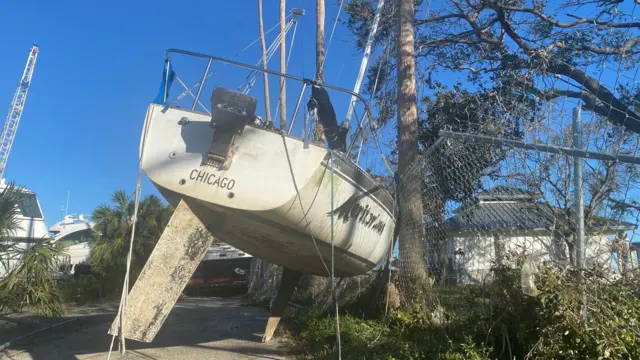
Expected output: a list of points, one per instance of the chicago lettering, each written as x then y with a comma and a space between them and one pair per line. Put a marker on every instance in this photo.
212, 179
352, 210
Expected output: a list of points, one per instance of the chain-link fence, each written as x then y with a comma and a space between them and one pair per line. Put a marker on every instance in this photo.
490, 193
487, 205
510, 224
525, 189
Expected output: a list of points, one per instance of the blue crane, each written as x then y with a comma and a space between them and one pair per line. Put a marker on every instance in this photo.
15, 111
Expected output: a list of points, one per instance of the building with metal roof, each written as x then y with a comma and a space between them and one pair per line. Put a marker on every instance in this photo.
502, 223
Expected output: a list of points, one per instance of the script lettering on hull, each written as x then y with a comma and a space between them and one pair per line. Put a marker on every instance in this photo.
211, 179
352, 210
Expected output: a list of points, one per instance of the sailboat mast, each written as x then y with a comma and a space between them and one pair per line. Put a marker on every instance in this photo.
320, 41
365, 59
283, 68
265, 78
319, 131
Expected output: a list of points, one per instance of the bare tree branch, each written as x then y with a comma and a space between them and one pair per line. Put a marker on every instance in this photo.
480, 32
439, 18
511, 31
610, 106
610, 24
599, 195
625, 204
579, 21
620, 50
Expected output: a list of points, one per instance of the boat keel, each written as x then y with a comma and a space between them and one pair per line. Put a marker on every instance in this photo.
173, 261
290, 279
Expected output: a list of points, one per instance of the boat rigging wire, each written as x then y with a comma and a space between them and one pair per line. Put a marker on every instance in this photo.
333, 282
191, 93
366, 119
270, 53
304, 213
373, 92
134, 220
272, 72
286, 67
333, 30
186, 92
365, 58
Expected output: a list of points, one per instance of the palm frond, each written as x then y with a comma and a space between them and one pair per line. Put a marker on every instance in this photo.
31, 282
112, 232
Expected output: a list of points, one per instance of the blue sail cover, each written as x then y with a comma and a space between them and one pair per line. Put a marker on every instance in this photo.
166, 84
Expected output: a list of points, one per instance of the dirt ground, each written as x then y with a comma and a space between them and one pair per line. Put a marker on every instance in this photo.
197, 328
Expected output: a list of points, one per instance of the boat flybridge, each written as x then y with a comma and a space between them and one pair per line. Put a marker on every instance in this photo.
73, 234
30, 230
288, 200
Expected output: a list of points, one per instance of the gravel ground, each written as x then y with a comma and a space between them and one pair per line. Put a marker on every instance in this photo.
197, 328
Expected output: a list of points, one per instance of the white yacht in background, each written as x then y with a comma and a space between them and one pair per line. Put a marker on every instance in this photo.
73, 233
32, 228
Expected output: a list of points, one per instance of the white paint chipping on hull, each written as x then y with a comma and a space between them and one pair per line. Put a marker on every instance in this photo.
256, 198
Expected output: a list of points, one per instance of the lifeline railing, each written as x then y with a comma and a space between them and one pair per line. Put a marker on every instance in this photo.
305, 82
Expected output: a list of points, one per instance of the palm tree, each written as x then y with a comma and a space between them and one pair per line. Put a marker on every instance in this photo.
10, 197
29, 281
112, 232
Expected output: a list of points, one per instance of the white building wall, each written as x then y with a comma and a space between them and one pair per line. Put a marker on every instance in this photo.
479, 252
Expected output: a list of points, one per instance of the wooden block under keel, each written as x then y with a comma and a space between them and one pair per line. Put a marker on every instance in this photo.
175, 257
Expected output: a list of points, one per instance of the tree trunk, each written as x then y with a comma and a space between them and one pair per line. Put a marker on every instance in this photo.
283, 68
267, 107
316, 282
411, 234
319, 131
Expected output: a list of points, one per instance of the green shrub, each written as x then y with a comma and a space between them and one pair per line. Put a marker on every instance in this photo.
400, 336
610, 329
495, 321
82, 289
31, 284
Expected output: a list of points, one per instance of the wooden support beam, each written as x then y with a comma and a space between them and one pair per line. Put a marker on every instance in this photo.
174, 259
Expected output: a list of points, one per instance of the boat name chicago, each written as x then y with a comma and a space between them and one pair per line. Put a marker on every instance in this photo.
212, 179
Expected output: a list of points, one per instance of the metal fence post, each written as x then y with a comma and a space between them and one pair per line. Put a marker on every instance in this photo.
577, 189
579, 206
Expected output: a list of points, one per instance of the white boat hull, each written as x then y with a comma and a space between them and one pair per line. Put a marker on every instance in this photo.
254, 200
31, 229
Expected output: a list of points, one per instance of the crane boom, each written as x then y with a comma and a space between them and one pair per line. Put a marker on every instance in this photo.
15, 111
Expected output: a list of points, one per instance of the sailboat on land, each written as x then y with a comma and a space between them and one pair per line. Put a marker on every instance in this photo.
270, 196
280, 198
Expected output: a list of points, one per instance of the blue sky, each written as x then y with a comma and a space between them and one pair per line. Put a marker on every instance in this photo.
100, 65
